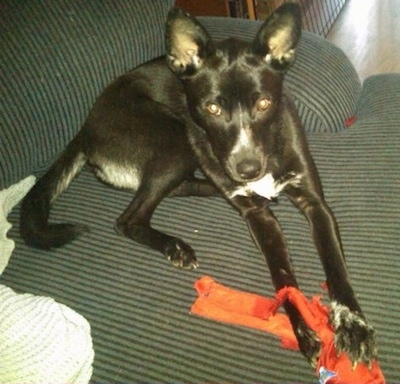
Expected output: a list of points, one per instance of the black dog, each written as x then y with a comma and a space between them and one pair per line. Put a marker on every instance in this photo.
221, 107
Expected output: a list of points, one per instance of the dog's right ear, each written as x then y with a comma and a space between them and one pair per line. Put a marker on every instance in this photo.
187, 43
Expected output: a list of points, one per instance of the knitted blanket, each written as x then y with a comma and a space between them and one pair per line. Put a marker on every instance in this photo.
41, 341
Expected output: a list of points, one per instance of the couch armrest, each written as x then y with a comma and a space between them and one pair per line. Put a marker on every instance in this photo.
380, 99
323, 82
56, 56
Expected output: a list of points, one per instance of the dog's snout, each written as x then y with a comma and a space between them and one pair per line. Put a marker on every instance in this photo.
249, 169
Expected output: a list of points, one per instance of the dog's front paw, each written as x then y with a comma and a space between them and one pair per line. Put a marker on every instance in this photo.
309, 343
353, 335
180, 254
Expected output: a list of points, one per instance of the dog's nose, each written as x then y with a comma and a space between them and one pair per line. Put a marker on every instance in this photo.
248, 169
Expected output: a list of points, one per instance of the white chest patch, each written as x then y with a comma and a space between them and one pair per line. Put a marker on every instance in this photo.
267, 187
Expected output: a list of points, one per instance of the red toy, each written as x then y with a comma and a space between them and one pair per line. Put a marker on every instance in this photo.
224, 304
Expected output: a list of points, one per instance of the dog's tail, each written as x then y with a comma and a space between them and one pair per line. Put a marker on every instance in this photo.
34, 226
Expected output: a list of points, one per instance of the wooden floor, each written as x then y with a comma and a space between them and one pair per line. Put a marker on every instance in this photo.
368, 31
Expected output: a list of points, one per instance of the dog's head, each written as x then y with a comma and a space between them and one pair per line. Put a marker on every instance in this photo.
234, 88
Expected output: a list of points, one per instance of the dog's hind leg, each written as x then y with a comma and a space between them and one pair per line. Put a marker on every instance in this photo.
35, 228
135, 221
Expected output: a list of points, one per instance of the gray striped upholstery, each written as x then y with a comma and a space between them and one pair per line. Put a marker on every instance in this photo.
56, 56
137, 304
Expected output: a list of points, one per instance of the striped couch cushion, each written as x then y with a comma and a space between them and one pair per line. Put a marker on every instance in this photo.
56, 56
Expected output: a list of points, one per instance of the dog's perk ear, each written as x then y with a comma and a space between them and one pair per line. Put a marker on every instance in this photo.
187, 43
277, 39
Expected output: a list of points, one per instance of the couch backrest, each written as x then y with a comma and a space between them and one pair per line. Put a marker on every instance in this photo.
56, 56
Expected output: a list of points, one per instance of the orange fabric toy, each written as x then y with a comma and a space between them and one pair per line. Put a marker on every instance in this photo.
224, 304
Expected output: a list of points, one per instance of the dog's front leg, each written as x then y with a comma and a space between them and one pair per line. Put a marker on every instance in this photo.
353, 334
268, 237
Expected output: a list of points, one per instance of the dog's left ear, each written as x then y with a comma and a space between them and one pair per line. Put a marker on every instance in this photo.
277, 39
187, 43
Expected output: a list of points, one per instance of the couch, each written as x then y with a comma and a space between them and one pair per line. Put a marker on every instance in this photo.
56, 56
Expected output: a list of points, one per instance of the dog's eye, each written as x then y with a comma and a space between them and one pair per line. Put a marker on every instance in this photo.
263, 104
214, 109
